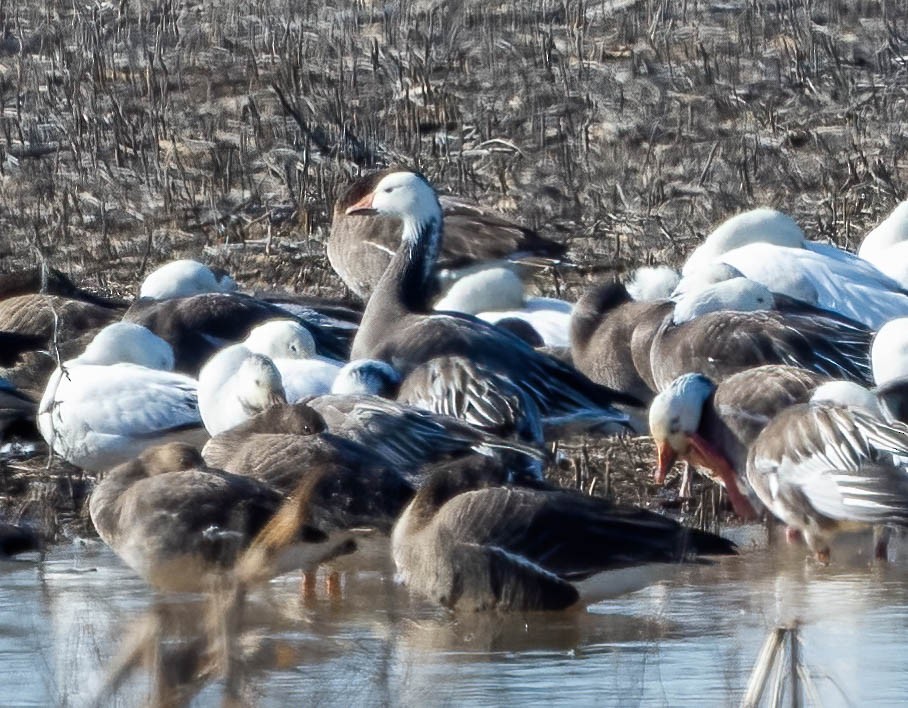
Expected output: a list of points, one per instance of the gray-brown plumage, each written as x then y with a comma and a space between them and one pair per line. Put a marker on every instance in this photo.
51, 281
179, 524
469, 543
38, 315
605, 344
360, 248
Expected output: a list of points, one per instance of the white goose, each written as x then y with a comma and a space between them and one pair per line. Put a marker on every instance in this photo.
495, 294
116, 399
768, 247
823, 467
292, 349
886, 246
235, 385
398, 325
184, 278
889, 359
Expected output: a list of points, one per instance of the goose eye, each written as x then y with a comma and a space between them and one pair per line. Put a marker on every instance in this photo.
388, 190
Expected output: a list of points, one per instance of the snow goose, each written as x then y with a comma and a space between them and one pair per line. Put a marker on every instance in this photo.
292, 349
773, 254
712, 426
360, 249
116, 399
180, 525
883, 245
605, 343
236, 384
496, 294
183, 278
822, 468
398, 327
889, 357
367, 377
470, 543
723, 329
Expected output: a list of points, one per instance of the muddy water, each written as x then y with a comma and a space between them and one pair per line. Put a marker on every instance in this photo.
689, 640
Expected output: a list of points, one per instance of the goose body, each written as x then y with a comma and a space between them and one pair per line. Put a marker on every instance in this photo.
180, 525
822, 468
398, 328
470, 543
116, 399
883, 246
183, 278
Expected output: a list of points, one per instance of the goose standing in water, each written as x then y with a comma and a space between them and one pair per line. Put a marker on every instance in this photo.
822, 468
116, 399
180, 525
398, 326
713, 425
470, 543
360, 248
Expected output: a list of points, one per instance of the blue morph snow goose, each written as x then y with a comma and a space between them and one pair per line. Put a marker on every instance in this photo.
399, 327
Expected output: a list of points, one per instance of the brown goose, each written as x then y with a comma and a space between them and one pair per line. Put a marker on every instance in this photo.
712, 426
822, 468
398, 326
469, 543
360, 249
39, 315
727, 328
180, 524
605, 339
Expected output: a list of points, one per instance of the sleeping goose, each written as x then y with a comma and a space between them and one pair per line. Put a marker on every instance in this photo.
713, 425
470, 543
236, 384
398, 326
885, 246
181, 525
117, 398
766, 248
43, 316
185, 277
360, 249
496, 294
822, 468
727, 327
889, 357
292, 349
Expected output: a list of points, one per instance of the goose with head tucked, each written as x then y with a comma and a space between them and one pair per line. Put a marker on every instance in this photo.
885, 247
889, 357
182, 525
236, 384
360, 248
185, 277
713, 425
823, 467
292, 349
730, 326
471, 542
117, 398
769, 248
398, 326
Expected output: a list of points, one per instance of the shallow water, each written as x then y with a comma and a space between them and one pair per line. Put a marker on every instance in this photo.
689, 640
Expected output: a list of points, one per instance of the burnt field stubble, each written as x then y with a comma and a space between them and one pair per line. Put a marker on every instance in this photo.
137, 132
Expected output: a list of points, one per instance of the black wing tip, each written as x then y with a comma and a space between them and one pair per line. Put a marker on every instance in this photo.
710, 544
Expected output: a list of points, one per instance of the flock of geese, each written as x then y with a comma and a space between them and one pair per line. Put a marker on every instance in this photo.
254, 434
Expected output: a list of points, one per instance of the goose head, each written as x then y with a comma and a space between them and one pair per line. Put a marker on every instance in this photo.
366, 377
407, 196
674, 419
258, 384
128, 343
651, 283
737, 294
184, 278
848, 393
281, 339
889, 352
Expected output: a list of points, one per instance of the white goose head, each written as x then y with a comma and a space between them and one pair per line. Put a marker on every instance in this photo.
282, 339
651, 283
754, 226
889, 352
407, 196
128, 343
674, 416
848, 393
369, 377
184, 278
487, 290
258, 384
737, 294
